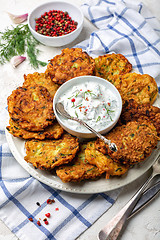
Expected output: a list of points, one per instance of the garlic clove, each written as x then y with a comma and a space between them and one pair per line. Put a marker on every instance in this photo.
16, 60
18, 18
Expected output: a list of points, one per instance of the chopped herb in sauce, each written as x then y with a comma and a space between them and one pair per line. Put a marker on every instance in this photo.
91, 102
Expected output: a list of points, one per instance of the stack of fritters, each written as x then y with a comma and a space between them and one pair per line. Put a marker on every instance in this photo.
31, 109
32, 118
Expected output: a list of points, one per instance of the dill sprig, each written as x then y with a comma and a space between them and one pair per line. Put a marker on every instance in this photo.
88, 92
98, 118
17, 41
108, 112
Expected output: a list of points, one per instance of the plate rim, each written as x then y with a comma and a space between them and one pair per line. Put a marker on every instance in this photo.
68, 187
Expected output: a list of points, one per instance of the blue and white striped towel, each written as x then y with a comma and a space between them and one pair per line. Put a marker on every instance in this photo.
124, 27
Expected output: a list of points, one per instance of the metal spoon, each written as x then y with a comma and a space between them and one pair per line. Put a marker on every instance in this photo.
60, 109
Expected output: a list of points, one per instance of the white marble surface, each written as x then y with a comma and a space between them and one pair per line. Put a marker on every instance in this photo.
143, 226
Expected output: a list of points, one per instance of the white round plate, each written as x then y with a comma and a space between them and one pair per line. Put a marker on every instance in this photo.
86, 187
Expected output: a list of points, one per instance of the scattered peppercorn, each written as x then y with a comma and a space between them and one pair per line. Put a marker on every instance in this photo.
30, 219
56, 209
50, 201
55, 23
45, 221
48, 215
38, 204
38, 222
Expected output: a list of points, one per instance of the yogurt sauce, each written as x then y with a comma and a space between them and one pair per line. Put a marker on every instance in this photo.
92, 103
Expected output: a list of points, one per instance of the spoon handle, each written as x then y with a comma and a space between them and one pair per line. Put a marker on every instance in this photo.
112, 146
112, 230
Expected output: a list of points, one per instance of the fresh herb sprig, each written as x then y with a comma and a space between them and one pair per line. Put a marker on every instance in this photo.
17, 41
89, 92
98, 118
108, 112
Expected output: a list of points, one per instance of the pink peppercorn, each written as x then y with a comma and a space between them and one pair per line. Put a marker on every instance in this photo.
50, 201
73, 100
48, 215
55, 23
38, 222
46, 222
30, 219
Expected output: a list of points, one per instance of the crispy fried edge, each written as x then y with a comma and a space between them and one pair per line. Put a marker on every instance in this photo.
51, 132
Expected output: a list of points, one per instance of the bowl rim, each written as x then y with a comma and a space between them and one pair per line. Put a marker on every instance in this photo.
58, 37
56, 97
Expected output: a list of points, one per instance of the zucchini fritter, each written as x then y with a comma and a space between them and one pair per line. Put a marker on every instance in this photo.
69, 64
104, 162
54, 131
142, 88
79, 169
42, 80
108, 65
48, 154
132, 111
135, 141
31, 107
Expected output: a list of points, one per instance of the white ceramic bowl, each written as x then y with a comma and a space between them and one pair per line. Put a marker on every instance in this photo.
80, 80
74, 12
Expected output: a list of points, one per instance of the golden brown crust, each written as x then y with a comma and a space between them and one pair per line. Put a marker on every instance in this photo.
52, 132
108, 65
69, 64
141, 88
104, 162
42, 80
135, 141
79, 169
48, 154
31, 107
132, 111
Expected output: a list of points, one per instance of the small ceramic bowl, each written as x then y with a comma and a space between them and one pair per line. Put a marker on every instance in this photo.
82, 80
74, 12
